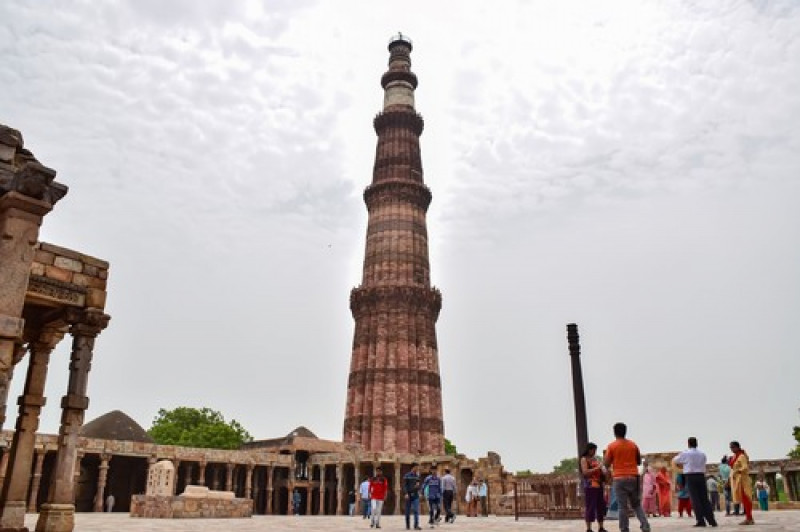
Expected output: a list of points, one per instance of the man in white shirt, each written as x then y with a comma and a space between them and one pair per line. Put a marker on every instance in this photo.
693, 461
363, 492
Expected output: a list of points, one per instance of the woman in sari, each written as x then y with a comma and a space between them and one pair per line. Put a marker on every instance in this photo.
649, 492
741, 485
664, 492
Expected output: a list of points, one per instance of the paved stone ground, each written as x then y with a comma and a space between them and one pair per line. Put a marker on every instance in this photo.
774, 521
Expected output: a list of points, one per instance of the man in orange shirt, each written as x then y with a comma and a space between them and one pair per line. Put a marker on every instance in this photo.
623, 456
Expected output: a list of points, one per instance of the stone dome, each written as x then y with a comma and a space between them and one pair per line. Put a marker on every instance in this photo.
115, 425
300, 432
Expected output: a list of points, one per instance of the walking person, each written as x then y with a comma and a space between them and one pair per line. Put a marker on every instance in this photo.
623, 457
693, 461
593, 474
378, 487
432, 487
448, 496
483, 494
110, 500
351, 502
411, 486
762, 492
363, 494
741, 484
725, 479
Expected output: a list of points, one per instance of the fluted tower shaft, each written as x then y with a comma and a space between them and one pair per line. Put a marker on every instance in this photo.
394, 396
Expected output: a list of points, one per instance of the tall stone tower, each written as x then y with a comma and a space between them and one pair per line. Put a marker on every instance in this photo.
394, 394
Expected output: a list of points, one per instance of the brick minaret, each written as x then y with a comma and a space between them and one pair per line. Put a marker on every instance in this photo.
394, 394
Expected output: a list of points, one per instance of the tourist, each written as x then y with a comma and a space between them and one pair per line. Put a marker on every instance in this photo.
593, 474
623, 457
725, 480
472, 499
664, 486
762, 492
649, 492
693, 461
483, 494
411, 495
684, 502
448, 496
351, 502
432, 487
296, 499
741, 484
363, 493
713, 494
378, 487
110, 503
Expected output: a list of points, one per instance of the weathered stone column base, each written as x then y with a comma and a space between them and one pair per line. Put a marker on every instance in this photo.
56, 518
13, 516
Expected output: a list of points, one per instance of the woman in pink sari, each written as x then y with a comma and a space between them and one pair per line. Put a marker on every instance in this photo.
664, 492
649, 492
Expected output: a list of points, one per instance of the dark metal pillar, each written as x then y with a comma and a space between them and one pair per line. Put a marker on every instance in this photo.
581, 430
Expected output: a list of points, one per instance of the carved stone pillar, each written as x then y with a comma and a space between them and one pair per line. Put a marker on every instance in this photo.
229, 476
102, 478
399, 508
188, 474
36, 480
13, 501
215, 476
58, 514
321, 489
27, 194
201, 475
177, 463
77, 474
248, 482
4, 464
269, 489
340, 489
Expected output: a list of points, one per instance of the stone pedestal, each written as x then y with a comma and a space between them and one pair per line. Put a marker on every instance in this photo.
56, 518
13, 517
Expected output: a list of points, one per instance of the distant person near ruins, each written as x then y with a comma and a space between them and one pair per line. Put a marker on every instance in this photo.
296, 499
471, 497
712, 485
725, 479
378, 487
664, 486
649, 494
684, 502
483, 494
411, 487
363, 495
762, 492
448, 495
593, 474
432, 488
351, 502
741, 485
110, 500
623, 457
693, 461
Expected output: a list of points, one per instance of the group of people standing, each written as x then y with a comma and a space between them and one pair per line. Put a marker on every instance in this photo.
651, 493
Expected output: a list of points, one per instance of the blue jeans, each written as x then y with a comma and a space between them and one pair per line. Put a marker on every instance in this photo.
412, 504
434, 503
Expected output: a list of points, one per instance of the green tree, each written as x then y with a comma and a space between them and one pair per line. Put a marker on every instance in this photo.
795, 453
567, 465
193, 427
449, 448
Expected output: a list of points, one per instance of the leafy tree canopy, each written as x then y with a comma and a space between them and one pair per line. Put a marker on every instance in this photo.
449, 447
795, 453
567, 465
193, 427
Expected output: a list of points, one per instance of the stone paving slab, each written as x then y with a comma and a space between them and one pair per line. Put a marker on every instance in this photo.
774, 521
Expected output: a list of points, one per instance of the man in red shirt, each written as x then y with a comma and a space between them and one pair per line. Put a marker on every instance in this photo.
623, 456
378, 486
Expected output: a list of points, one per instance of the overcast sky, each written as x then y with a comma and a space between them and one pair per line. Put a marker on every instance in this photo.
629, 166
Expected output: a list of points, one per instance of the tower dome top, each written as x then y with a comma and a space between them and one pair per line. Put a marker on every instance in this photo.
399, 38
